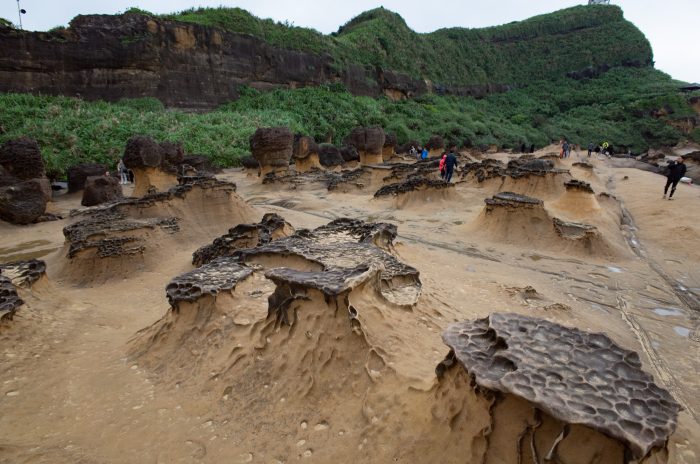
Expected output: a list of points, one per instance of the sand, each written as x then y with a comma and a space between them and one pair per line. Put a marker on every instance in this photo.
100, 369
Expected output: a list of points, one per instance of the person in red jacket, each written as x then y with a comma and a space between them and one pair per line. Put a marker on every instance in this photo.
442, 165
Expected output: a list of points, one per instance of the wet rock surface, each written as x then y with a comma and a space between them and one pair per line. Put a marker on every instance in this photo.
511, 200
77, 175
10, 301
412, 184
576, 377
222, 274
242, 236
578, 186
101, 189
24, 273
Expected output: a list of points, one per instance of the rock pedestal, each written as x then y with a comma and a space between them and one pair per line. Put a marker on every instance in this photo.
24, 188
77, 175
273, 148
145, 158
305, 154
369, 142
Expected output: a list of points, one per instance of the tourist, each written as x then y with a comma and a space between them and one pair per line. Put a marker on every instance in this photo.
590, 148
605, 147
532, 148
450, 164
442, 165
123, 172
424, 154
676, 171
522, 148
564, 150
413, 152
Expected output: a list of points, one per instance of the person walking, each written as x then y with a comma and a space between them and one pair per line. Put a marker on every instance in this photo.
424, 154
676, 171
590, 148
450, 164
442, 165
565, 149
123, 172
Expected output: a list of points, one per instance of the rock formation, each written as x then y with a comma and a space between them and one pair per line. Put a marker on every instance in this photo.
575, 185
145, 158
272, 147
389, 149
101, 189
24, 188
21, 159
243, 236
349, 154
305, 154
435, 145
369, 142
23, 202
77, 175
13, 275
219, 275
572, 378
330, 156
10, 301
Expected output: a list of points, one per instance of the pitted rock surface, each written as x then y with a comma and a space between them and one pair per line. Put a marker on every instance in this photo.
222, 274
578, 185
240, 237
346, 244
367, 139
24, 273
142, 152
517, 168
511, 200
574, 376
574, 230
272, 147
21, 159
413, 184
10, 301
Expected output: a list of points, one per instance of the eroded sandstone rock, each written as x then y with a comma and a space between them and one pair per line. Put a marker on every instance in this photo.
369, 142
413, 184
10, 301
577, 377
77, 175
330, 156
21, 159
24, 273
273, 148
512, 200
305, 154
22, 203
222, 274
101, 189
575, 185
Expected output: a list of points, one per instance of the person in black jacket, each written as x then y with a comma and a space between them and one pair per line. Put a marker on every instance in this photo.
450, 163
676, 171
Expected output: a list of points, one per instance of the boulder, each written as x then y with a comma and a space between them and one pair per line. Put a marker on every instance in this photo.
329, 156
22, 203
389, 149
142, 152
77, 175
249, 162
101, 189
272, 147
369, 142
173, 154
21, 159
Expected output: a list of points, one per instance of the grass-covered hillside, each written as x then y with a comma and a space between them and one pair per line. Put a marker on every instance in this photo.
546, 46
617, 106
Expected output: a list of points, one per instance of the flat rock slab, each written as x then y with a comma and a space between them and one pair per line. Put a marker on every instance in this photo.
575, 376
222, 274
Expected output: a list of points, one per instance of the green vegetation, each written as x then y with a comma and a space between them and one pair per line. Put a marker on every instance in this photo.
543, 47
616, 106
5, 23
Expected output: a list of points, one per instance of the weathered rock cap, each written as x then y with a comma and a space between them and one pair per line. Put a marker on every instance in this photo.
573, 230
22, 203
303, 147
142, 152
329, 155
331, 282
77, 175
272, 147
367, 139
21, 158
514, 200
412, 184
222, 274
575, 376
578, 185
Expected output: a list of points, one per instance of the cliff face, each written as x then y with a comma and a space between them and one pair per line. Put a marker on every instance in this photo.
190, 65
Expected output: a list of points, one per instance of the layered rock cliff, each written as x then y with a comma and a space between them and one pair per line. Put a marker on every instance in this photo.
190, 65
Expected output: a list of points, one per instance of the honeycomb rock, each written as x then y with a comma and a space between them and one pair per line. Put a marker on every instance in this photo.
22, 203
575, 185
101, 189
347, 244
222, 274
21, 159
24, 273
512, 200
272, 147
243, 236
576, 377
412, 184
173, 155
10, 301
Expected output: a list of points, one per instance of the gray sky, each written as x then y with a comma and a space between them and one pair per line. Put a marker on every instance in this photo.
669, 25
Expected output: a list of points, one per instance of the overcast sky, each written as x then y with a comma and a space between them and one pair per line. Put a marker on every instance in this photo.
669, 25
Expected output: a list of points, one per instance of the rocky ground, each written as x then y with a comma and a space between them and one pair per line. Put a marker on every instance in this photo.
301, 337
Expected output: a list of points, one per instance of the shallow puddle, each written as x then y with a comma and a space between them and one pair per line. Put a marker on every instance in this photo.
682, 331
668, 312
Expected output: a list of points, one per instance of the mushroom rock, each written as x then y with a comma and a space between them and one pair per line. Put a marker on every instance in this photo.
144, 157
305, 154
172, 156
330, 156
349, 154
101, 189
77, 175
389, 149
369, 142
572, 395
435, 145
273, 148
21, 159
